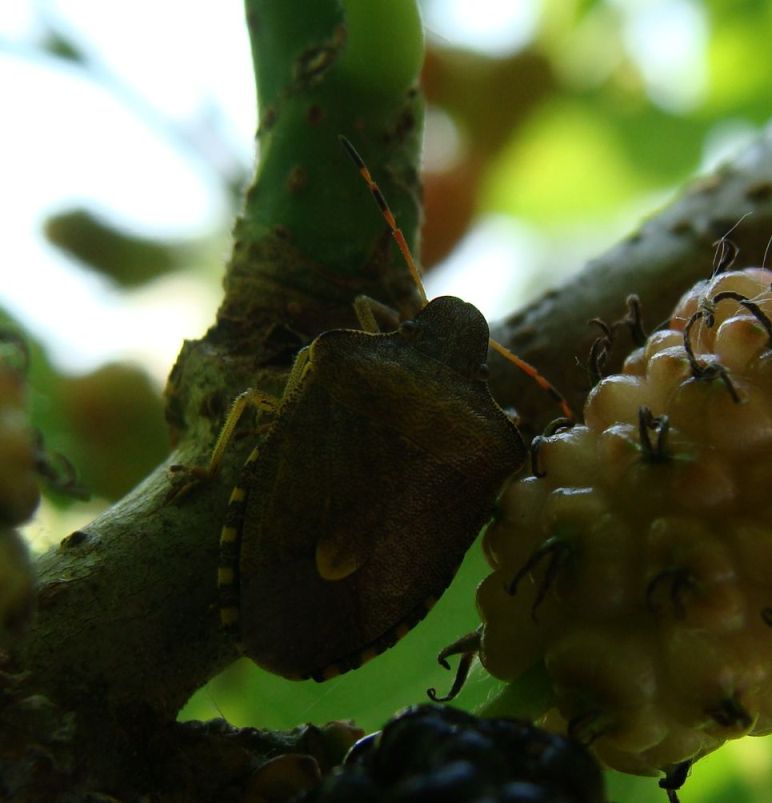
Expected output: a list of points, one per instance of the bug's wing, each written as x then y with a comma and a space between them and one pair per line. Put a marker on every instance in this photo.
377, 484
362, 495
334, 483
366, 483
380, 473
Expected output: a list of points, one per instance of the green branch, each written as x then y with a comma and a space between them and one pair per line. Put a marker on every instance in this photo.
325, 69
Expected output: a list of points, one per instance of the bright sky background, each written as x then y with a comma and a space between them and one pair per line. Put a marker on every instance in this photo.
68, 140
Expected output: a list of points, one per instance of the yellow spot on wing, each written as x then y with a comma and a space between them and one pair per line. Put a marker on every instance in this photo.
333, 562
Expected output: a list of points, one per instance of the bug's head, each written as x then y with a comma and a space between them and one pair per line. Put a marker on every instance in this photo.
452, 332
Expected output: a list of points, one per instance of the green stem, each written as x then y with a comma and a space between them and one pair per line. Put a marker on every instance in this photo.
530, 696
323, 69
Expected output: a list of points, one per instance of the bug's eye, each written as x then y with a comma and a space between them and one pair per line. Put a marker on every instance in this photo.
408, 328
483, 372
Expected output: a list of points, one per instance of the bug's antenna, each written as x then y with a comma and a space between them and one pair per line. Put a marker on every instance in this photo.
542, 381
388, 215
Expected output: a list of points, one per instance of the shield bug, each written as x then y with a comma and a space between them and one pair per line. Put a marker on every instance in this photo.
384, 459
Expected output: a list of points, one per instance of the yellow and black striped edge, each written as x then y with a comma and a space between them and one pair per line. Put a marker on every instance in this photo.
230, 548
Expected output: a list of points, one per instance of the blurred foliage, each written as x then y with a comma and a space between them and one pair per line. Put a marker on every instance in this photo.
487, 99
106, 426
19, 494
564, 132
60, 45
577, 127
115, 415
104, 247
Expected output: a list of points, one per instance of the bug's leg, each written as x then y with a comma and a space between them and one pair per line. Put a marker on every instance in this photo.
297, 372
252, 397
375, 317
467, 647
188, 477
249, 398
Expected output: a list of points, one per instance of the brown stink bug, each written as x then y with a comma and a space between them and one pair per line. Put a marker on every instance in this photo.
383, 461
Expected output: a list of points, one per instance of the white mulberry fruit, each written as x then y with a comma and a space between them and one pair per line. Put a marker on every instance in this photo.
637, 567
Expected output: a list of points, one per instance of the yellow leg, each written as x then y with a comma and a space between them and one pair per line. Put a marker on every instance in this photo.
252, 397
249, 398
188, 477
297, 371
369, 311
